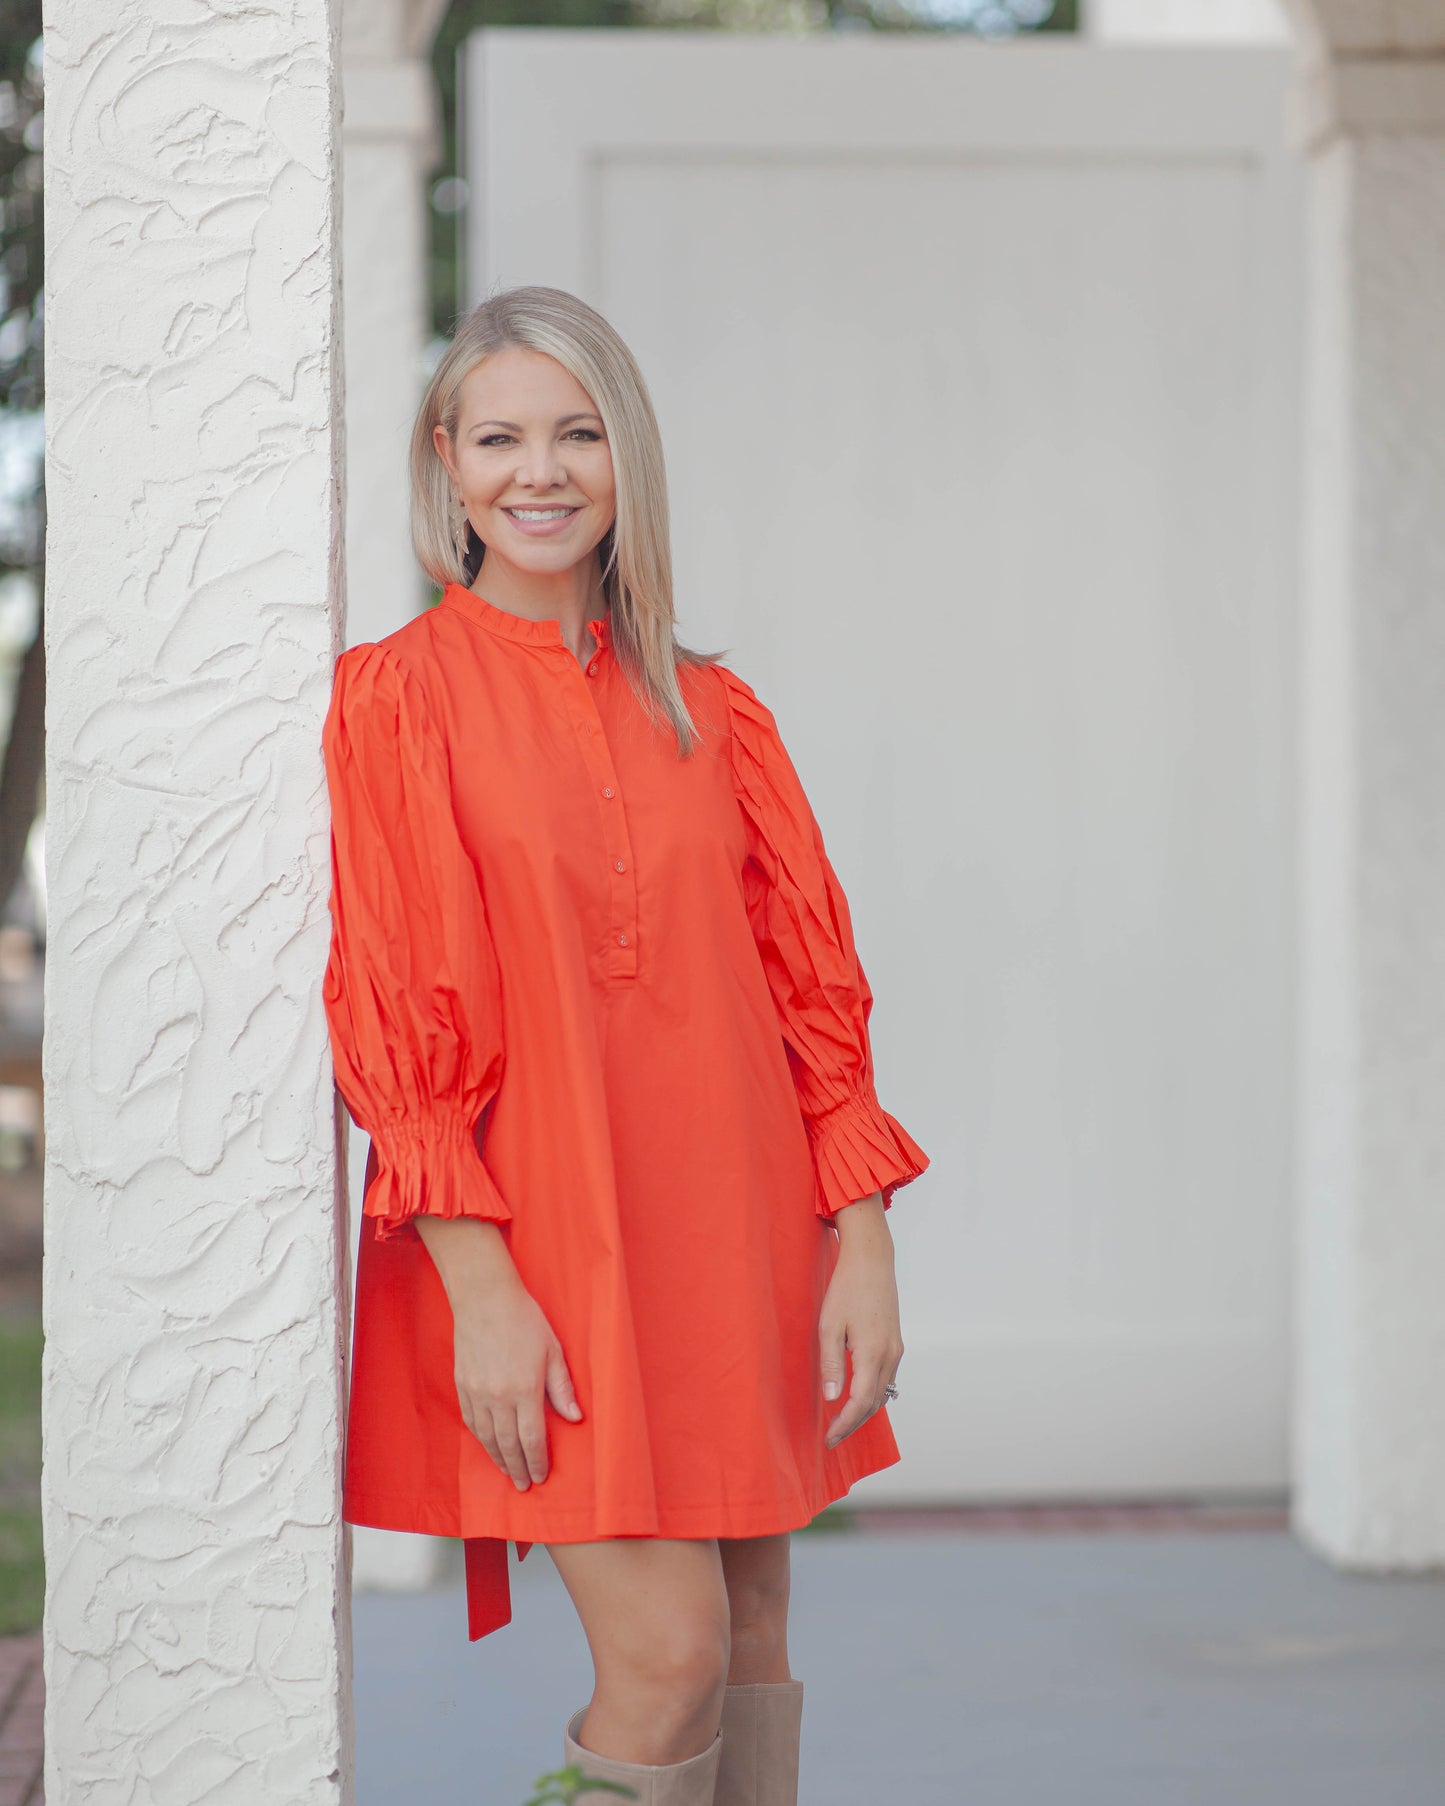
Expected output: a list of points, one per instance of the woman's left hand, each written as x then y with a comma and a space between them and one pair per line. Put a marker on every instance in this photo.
860, 1312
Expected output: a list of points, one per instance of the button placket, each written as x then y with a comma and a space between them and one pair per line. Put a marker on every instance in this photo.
620, 947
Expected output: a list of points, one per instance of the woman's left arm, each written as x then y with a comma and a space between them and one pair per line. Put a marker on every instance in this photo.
861, 1155
860, 1313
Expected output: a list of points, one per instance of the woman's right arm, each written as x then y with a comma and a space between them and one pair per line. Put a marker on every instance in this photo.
508, 1360
413, 1003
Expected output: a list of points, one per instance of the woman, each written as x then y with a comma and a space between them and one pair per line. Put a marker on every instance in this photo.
593, 994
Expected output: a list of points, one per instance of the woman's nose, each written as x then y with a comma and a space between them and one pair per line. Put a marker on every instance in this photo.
541, 466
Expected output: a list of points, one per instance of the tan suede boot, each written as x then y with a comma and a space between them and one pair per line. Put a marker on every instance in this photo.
687, 1783
761, 1727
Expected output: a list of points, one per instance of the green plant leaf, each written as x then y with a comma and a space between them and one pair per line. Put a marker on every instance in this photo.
565, 1785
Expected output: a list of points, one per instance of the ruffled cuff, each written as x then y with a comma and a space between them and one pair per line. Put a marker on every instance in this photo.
858, 1148
435, 1171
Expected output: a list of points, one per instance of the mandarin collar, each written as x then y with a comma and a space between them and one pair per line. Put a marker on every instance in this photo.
515, 627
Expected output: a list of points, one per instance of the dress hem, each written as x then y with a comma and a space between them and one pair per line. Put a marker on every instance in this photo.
374, 1512
488, 1588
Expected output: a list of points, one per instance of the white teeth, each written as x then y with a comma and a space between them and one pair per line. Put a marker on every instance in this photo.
539, 513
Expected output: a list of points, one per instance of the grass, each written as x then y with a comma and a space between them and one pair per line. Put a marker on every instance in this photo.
829, 1520
22, 1566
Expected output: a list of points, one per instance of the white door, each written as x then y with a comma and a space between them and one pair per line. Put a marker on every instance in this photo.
976, 370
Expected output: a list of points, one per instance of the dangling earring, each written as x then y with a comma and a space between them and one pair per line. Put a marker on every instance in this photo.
460, 523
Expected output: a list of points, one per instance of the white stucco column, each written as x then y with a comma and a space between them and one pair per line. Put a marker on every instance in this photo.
390, 135
1370, 1391
196, 1637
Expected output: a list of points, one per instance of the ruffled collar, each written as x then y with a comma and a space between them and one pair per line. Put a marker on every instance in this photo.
515, 627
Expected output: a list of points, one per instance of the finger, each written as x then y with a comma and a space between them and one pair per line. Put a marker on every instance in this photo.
479, 1422
855, 1412
532, 1434
559, 1384
831, 1338
862, 1398
508, 1441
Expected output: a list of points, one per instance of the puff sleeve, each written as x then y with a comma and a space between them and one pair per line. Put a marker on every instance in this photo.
412, 990
801, 923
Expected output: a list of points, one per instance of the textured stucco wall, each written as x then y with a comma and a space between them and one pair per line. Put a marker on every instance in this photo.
196, 1625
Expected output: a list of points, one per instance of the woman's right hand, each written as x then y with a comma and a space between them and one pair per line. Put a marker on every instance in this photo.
508, 1361
508, 1364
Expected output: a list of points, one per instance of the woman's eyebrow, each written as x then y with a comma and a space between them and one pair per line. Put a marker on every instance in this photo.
512, 426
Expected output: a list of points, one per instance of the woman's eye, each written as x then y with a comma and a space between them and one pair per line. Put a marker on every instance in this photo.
579, 432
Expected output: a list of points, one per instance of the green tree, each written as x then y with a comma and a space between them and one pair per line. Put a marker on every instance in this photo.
22, 395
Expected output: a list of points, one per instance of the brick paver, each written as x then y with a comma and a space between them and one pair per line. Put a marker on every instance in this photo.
22, 1731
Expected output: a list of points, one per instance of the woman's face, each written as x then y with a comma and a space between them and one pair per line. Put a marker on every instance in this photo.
531, 461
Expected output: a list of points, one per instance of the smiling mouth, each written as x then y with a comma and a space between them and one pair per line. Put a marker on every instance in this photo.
539, 514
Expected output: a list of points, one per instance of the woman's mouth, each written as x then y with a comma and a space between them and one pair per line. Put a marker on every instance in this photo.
539, 522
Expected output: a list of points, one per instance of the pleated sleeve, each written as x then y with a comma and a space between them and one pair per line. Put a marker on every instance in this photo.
412, 990
801, 923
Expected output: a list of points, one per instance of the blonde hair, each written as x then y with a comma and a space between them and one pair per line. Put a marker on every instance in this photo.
636, 551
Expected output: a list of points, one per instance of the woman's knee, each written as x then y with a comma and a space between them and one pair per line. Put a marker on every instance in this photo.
681, 1657
657, 1622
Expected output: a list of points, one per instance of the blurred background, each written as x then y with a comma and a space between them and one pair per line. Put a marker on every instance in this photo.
22, 872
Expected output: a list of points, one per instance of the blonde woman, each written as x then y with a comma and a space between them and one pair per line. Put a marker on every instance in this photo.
625, 1284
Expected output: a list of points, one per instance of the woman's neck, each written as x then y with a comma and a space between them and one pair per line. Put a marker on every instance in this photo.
571, 598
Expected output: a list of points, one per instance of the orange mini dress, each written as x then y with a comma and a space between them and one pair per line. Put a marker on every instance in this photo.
608, 998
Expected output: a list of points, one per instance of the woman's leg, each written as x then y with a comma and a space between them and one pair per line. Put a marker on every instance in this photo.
757, 1571
762, 1715
655, 1614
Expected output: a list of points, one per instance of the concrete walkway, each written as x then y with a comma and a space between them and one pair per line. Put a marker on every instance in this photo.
1133, 1668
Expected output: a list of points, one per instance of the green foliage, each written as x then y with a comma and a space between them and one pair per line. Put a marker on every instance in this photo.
22, 215
830, 1520
568, 1784
22, 255
22, 1566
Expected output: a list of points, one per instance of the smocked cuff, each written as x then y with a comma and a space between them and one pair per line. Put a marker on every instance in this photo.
858, 1148
434, 1172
